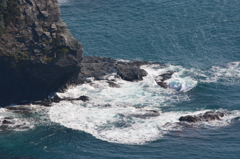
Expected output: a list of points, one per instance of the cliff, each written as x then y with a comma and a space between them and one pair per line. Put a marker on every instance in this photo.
38, 55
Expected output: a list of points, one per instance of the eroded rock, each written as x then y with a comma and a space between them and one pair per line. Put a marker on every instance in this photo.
56, 99
112, 84
207, 116
99, 67
163, 77
38, 54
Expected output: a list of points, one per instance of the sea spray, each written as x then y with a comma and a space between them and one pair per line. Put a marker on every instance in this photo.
132, 113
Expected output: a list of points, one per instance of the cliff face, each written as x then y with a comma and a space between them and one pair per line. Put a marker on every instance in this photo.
38, 55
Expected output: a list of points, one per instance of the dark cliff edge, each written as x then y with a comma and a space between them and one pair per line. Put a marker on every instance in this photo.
38, 55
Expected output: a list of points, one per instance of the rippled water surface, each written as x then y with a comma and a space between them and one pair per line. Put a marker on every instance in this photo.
199, 40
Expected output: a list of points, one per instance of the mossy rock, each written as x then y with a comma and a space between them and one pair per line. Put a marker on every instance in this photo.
9, 10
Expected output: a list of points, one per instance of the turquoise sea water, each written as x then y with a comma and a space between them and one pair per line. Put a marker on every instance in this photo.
200, 39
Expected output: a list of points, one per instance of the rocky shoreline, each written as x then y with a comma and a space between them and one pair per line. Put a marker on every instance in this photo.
39, 56
98, 68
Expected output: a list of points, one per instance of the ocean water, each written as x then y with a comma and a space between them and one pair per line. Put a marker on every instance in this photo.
200, 40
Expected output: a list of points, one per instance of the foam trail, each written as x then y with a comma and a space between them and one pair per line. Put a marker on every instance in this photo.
179, 81
23, 118
229, 72
131, 114
113, 124
143, 93
118, 125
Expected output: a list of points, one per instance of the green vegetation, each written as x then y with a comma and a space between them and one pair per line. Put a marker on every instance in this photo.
21, 56
48, 59
64, 50
9, 9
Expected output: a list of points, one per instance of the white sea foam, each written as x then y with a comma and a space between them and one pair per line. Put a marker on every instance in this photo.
113, 114
112, 124
229, 72
24, 118
63, 1
122, 124
143, 93
131, 114
179, 81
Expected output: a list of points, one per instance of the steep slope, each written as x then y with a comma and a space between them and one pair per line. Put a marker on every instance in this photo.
38, 55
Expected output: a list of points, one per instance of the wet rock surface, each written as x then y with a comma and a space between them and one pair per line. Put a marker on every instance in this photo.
163, 77
112, 84
207, 116
99, 67
10, 123
56, 99
144, 114
39, 56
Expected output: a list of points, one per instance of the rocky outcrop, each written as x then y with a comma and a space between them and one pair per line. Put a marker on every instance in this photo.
99, 67
207, 116
56, 99
160, 80
38, 55
38, 34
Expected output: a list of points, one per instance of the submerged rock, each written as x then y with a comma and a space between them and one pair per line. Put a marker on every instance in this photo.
7, 124
83, 98
207, 116
112, 84
143, 114
17, 108
56, 99
163, 84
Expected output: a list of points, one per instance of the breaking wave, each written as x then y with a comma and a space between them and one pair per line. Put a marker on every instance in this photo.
23, 118
131, 113
226, 73
128, 113
124, 125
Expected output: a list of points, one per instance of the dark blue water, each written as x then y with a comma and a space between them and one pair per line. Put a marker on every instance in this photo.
202, 37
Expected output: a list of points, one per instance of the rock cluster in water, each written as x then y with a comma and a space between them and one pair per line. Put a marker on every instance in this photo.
163, 77
207, 116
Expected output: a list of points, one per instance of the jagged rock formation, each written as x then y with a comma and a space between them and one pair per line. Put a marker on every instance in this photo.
37, 33
163, 77
98, 67
38, 55
207, 116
